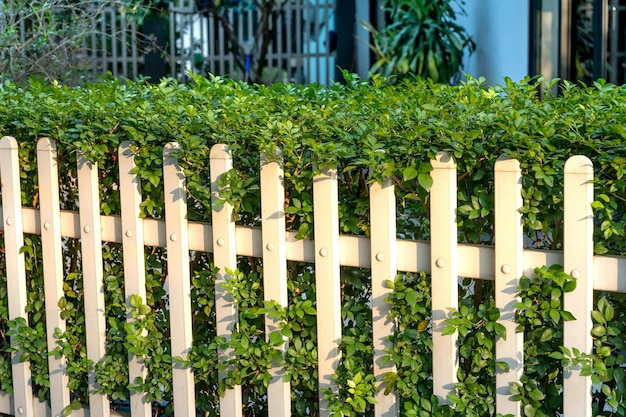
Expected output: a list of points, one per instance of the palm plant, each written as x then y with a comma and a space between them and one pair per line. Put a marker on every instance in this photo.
421, 39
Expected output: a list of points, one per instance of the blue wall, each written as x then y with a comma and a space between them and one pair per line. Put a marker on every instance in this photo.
500, 30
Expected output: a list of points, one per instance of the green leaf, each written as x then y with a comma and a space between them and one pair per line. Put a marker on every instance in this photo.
555, 315
409, 173
598, 331
598, 317
425, 181
503, 366
276, 339
536, 395
609, 313
547, 335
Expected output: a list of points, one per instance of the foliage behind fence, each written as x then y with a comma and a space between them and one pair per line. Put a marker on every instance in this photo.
366, 131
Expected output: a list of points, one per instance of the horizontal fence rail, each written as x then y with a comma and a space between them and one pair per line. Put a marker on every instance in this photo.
384, 254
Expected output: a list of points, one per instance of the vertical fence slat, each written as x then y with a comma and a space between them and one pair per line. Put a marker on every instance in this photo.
383, 250
15, 267
52, 253
225, 256
443, 234
327, 280
275, 272
578, 261
93, 284
179, 280
508, 268
134, 261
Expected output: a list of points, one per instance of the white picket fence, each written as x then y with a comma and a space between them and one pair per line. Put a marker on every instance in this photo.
383, 253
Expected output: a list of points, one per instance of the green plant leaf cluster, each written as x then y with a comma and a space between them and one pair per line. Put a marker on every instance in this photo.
367, 130
540, 316
421, 38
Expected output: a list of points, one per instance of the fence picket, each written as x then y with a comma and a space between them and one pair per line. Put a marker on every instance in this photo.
225, 257
179, 280
445, 293
15, 267
382, 252
52, 253
93, 284
133, 261
509, 266
578, 261
275, 273
327, 280
383, 259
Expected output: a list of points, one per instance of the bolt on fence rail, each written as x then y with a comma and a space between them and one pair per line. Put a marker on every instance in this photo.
384, 254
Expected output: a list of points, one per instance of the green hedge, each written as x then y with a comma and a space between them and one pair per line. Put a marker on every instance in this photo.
367, 130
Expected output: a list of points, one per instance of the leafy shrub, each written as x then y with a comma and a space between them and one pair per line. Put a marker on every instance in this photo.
367, 130
55, 39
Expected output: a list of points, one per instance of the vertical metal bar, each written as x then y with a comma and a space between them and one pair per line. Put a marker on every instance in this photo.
443, 232
134, 262
275, 273
247, 39
383, 255
327, 281
509, 263
277, 46
206, 39
600, 32
289, 52
534, 34
315, 53
225, 257
173, 15
179, 280
135, 55
578, 261
613, 17
325, 55
52, 253
114, 44
15, 268
212, 46
566, 65
123, 42
299, 56
93, 275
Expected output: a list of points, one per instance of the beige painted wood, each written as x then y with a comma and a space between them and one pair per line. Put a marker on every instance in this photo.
443, 232
578, 261
275, 274
52, 253
475, 261
134, 262
228, 240
383, 259
179, 280
509, 266
93, 276
15, 267
225, 257
327, 280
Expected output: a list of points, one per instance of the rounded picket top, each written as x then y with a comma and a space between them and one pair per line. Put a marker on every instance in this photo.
220, 151
8, 142
507, 164
170, 148
444, 160
46, 144
579, 164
